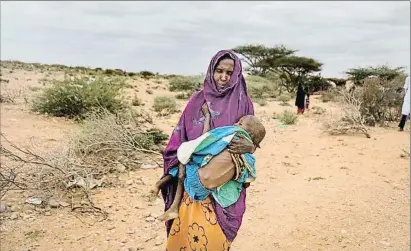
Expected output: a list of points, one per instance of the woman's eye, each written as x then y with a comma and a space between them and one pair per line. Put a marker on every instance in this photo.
229, 73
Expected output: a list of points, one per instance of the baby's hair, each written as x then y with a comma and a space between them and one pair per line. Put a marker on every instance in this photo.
257, 130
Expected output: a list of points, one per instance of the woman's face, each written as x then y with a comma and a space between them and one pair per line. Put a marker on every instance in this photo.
223, 71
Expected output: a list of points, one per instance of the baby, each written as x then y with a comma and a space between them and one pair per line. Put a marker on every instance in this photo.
208, 167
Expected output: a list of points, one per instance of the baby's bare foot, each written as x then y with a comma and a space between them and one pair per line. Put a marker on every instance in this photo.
153, 194
168, 215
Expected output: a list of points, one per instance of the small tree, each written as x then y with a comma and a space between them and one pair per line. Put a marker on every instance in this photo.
256, 56
383, 73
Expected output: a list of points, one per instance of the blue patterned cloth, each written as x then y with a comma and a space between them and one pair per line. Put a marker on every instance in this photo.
197, 153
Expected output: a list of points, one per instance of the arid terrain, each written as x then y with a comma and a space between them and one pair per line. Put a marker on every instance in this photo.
313, 191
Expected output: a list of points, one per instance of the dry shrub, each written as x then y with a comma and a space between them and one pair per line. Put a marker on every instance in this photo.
318, 110
261, 88
380, 100
186, 85
351, 119
288, 117
165, 105
137, 101
261, 102
331, 95
10, 96
284, 99
105, 143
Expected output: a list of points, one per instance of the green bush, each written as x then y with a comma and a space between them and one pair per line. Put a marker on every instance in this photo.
146, 74
182, 96
380, 100
329, 96
288, 118
137, 101
185, 84
261, 102
284, 99
75, 97
259, 87
165, 105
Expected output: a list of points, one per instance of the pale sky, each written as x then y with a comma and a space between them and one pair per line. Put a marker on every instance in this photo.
181, 37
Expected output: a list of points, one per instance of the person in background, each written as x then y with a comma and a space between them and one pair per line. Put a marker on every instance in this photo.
300, 99
405, 111
307, 100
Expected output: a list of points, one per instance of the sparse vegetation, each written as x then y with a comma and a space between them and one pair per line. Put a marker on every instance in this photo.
261, 102
74, 97
331, 95
284, 99
186, 85
137, 101
165, 105
288, 117
380, 100
146, 74
351, 120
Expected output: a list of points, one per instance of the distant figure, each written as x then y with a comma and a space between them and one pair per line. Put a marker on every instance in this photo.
405, 105
300, 99
307, 101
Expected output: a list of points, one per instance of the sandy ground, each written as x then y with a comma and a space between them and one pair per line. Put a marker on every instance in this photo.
313, 191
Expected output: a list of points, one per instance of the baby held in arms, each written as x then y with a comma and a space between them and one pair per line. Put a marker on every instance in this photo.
207, 166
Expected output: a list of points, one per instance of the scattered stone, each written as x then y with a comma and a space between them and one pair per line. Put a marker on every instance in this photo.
64, 204
120, 168
14, 216
47, 213
25, 216
33, 201
148, 166
53, 203
3, 208
131, 231
111, 227
146, 214
385, 243
129, 182
159, 241
150, 219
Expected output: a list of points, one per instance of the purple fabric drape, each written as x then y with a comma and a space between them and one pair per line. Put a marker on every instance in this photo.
226, 106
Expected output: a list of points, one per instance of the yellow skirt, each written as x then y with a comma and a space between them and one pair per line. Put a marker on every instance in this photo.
196, 228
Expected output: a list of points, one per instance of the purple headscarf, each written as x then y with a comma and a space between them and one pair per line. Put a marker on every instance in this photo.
226, 106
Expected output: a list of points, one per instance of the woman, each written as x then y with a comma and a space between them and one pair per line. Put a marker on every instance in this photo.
405, 111
205, 225
300, 99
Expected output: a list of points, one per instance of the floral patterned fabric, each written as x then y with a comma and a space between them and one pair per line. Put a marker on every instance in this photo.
196, 228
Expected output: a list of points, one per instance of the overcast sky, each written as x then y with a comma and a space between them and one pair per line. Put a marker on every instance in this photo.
181, 37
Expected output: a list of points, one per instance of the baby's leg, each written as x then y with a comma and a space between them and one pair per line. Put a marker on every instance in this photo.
159, 184
172, 212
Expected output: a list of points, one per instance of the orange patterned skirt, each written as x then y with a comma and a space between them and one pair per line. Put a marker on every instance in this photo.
196, 228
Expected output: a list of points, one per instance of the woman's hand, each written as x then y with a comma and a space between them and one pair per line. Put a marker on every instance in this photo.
241, 145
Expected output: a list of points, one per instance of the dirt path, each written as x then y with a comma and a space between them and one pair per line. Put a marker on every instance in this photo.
313, 192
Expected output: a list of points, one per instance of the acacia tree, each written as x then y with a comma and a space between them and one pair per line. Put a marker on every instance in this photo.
384, 73
294, 69
257, 56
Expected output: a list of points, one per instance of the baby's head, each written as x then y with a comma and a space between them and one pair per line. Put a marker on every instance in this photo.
254, 127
